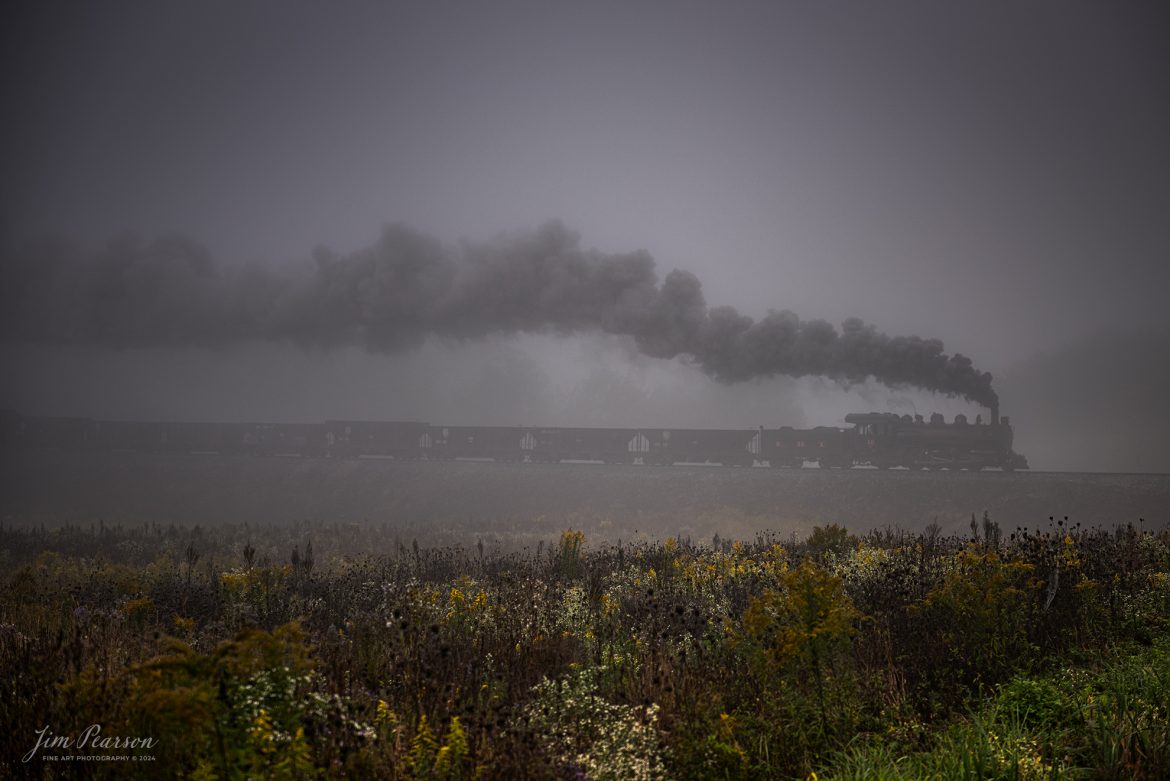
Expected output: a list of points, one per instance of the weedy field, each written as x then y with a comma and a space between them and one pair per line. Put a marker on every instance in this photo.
285, 652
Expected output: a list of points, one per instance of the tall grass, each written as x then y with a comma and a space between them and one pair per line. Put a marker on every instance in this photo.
276, 653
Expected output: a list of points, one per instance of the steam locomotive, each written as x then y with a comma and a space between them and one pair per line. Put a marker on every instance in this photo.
881, 440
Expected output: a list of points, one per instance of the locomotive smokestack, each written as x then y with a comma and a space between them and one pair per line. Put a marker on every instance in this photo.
995, 414
407, 286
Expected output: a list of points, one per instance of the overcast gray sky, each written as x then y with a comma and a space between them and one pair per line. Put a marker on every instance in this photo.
992, 174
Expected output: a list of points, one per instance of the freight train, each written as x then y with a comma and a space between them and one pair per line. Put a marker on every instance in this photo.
881, 440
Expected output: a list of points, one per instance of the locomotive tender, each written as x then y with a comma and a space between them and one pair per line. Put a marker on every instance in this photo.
880, 440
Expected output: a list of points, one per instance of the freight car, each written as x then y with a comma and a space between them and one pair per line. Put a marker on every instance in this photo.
498, 443
880, 440
285, 439
362, 439
729, 447
25, 432
608, 445
129, 436
825, 446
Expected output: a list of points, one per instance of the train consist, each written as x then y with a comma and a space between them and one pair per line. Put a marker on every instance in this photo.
881, 440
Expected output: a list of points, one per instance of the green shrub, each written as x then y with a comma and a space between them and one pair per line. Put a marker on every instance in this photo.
1035, 702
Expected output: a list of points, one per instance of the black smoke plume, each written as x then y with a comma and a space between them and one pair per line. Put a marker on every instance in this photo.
407, 286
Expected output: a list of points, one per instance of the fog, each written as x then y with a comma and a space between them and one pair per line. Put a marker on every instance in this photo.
526, 381
1099, 403
988, 181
